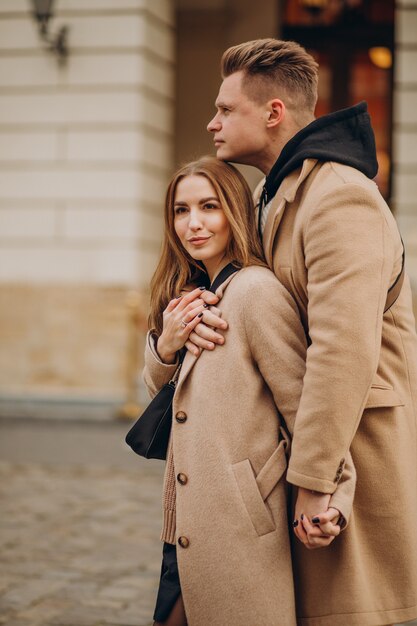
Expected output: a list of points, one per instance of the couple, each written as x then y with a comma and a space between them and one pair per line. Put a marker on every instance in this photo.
318, 367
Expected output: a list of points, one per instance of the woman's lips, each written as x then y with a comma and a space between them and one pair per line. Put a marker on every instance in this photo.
198, 241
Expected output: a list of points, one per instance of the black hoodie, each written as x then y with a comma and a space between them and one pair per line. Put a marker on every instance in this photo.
345, 137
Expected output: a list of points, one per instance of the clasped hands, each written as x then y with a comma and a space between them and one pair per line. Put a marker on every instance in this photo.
192, 320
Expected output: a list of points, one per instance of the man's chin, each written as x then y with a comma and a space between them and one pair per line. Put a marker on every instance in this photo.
224, 154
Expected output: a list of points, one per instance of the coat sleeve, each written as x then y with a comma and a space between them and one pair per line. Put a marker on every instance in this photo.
155, 373
278, 345
349, 256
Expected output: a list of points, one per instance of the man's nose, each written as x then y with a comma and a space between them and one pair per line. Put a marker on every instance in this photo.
213, 125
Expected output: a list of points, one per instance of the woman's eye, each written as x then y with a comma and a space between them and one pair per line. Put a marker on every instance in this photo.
180, 209
210, 205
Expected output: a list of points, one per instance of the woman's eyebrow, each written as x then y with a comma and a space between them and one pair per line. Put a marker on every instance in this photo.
203, 200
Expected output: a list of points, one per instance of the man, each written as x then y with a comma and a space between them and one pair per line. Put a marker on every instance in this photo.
332, 241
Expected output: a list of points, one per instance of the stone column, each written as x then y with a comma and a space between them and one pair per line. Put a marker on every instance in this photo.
85, 152
405, 131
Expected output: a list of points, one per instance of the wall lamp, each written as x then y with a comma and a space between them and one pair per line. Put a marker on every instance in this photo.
42, 12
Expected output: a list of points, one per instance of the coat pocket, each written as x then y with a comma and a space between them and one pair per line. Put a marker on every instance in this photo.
254, 490
382, 396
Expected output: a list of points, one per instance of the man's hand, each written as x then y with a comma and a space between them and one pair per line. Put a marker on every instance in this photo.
204, 335
315, 506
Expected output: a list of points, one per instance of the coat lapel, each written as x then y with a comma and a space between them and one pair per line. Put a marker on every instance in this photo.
272, 223
286, 193
190, 359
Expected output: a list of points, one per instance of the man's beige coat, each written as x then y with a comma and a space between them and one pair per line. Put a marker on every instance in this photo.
236, 570
334, 244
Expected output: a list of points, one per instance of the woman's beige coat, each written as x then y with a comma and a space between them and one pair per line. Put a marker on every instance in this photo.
334, 244
236, 570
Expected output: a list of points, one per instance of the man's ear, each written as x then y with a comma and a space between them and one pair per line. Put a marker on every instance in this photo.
275, 113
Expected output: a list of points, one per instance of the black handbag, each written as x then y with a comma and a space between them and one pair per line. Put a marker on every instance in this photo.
149, 435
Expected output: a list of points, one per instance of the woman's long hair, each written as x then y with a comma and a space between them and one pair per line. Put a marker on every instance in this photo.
176, 268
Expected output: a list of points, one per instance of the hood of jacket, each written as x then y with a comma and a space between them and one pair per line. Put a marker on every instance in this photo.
345, 136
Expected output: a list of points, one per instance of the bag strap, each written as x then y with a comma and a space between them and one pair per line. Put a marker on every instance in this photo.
222, 276
395, 289
176, 374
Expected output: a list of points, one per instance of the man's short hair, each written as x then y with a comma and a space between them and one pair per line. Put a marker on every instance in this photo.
275, 68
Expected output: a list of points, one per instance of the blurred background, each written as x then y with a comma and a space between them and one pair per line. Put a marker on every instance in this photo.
99, 101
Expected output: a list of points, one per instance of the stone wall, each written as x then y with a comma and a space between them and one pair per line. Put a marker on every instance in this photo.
85, 153
405, 131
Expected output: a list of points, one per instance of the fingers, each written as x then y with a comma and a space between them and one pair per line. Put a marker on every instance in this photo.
189, 298
182, 301
172, 304
208, 335
193, 322
328, 522
330, 529
192, 314
200, 342
202, 337
300, 532
212, 319
192, 347
315, 537
312, 535
216, 311
197, 297
209, 297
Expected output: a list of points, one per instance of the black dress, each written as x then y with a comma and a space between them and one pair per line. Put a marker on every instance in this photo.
169, 584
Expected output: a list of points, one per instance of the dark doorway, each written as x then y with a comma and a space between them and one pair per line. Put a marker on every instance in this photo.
353, 41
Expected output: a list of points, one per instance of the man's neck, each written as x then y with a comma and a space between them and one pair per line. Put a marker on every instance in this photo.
272, 151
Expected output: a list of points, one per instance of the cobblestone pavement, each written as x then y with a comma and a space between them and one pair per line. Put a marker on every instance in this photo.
79, 542
79, 526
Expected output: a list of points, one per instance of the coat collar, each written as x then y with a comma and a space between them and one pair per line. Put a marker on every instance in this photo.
285, 194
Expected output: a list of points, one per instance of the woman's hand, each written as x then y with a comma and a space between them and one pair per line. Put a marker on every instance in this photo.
179, 318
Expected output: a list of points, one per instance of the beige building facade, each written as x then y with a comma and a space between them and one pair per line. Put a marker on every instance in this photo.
405, 132
86, 150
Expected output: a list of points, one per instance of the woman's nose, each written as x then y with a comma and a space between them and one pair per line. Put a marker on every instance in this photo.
194, 223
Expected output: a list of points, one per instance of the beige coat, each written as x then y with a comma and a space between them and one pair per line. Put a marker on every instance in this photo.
236, 570
334, 244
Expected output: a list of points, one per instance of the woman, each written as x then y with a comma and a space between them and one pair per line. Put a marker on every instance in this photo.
225, 504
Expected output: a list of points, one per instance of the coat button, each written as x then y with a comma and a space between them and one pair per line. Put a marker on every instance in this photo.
182, 478
181, 417
183, 542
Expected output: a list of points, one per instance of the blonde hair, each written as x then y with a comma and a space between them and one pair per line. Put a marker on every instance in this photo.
270, 64
176, 268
